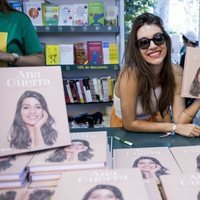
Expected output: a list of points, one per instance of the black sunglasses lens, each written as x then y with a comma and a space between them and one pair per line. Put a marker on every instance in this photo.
143, 43
159, 39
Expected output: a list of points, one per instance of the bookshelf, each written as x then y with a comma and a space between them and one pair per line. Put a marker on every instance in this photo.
55, 35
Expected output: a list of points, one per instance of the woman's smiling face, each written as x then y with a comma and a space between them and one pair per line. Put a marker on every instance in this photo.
146, 165
31, 111
155, 54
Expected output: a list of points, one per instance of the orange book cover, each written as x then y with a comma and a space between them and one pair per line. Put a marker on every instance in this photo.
32, 116
101, 184
191, 73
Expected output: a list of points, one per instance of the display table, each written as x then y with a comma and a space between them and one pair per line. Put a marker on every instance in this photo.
144, 139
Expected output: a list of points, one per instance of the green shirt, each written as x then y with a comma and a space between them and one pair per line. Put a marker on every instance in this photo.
22, 37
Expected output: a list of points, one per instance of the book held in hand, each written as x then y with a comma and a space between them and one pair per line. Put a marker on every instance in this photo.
32, 116
191, 73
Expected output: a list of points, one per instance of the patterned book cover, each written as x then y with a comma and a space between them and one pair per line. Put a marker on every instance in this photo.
32, 116
80, 14
95, 52
66, 14
52, 53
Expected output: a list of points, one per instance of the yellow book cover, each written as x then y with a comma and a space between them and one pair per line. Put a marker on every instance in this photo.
113, 51
3, 39
52, 54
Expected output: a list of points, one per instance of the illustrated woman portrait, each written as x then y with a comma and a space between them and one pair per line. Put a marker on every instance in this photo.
105, 192
150, 167
5, 162
33, 124
79, 150
195, 87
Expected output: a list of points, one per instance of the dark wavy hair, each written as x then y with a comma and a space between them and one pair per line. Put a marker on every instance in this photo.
41, 194
112, 188
162, 171
20, 137
5, 7
195, 87
134, 60
59, 155
5, 164
9, 195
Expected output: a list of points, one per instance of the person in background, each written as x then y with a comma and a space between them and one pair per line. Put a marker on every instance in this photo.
20, 45
148, 87
189, 40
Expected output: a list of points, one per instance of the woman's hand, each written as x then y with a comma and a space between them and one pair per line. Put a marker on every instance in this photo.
6, 57
189, 130
42, 121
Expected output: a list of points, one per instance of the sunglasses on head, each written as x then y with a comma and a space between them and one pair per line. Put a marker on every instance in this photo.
158, 39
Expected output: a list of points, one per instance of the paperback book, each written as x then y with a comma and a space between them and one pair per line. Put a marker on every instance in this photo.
187, 157
95, 52
32, 117
153, 161
87, 150
66, 15
99, 184
13, 168
191, 73
80, 14
182, 186
52, 53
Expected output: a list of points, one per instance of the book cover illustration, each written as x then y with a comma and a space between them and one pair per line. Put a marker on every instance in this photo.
152, 161
95, 52
50, 14
52, 54
187, 157
182, 186
3, 46
95, 13
191, 73
34, 11
87, 150
101, 184
33, 117
80, 53
110, 15
80, 14
65, 15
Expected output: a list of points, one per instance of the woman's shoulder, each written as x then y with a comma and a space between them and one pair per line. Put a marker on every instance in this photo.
177, 70
22, 17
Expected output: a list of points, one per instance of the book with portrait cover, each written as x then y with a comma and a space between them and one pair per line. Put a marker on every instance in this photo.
32, 116
181, 186
99, 184
191, 73
87, 150
152, 161
187, 157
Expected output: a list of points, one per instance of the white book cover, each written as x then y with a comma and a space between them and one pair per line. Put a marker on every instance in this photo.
66, 15
34, 11
181, 187
152, 161
119, 184
88, 150
187, 157
32, 117
66, 54
80, 14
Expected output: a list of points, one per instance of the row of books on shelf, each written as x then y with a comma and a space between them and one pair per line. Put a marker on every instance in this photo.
77, 14
86, 90
90, 52
90, 164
